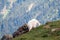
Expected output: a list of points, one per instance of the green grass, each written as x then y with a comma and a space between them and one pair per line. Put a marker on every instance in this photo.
41, 33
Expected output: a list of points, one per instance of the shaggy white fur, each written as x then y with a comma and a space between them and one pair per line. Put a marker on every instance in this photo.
33, 24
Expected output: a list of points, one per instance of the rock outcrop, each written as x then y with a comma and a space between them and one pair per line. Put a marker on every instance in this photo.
7, 37
23, 29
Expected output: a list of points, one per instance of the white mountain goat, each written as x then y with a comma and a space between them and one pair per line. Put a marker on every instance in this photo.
33, 24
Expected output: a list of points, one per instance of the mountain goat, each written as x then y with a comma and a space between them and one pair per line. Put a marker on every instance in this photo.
33, 24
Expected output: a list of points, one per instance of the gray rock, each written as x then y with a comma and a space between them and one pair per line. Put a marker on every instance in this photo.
7, 37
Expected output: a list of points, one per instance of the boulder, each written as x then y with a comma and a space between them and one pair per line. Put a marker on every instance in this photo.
7, 37
15, 34
21, 30
55, 29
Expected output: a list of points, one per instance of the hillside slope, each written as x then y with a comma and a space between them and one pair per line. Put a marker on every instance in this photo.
15, 13
42, 33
